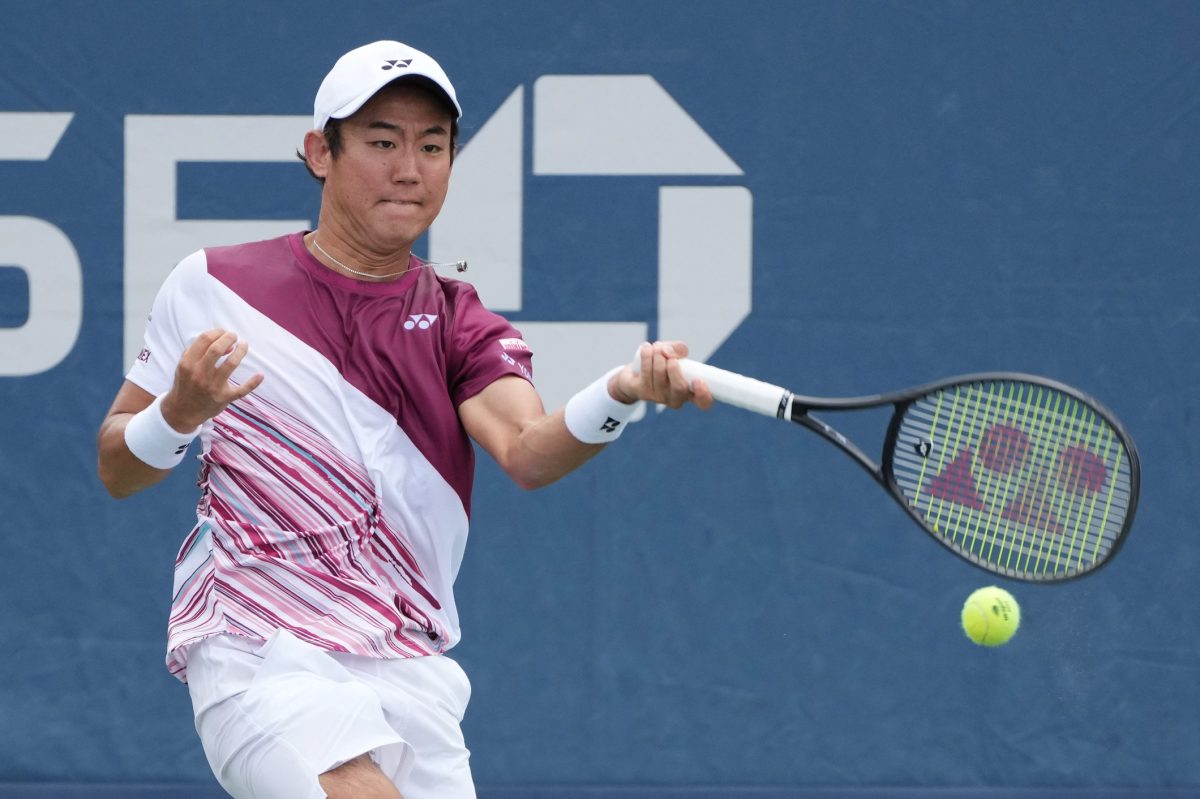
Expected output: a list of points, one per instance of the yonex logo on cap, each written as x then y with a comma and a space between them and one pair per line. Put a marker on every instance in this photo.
396, 64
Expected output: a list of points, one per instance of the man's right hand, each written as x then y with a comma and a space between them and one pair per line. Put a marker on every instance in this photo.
202, 388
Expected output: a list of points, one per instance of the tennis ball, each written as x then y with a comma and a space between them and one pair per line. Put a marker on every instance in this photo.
990, 616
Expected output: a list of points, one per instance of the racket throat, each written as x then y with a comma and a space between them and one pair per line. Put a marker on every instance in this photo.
786, 407
799, 414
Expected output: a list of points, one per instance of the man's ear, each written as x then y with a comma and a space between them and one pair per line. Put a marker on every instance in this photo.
317, 153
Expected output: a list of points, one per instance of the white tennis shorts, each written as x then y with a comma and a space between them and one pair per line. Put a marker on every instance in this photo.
272, 716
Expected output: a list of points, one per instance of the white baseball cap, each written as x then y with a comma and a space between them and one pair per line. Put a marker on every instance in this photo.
362, 72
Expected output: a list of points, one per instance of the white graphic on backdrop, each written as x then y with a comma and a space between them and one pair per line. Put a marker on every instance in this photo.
604, 125
583, 125
44, 253
155, 239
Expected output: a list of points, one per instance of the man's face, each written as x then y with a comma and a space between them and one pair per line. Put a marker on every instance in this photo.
390, 179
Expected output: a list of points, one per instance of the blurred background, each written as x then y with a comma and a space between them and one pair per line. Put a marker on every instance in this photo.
842, 197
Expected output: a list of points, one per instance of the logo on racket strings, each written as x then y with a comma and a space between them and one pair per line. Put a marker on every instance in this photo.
1029, 483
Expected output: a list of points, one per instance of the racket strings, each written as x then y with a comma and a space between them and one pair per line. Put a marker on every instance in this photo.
1020, 476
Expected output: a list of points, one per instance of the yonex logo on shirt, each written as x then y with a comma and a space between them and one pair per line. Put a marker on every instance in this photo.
420, 320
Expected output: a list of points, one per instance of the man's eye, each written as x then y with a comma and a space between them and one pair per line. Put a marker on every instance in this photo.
432, 148
383, 144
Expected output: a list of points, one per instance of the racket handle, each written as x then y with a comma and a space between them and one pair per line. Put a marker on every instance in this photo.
738, 390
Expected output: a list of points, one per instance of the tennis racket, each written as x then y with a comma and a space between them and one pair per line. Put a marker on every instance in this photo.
1022, 476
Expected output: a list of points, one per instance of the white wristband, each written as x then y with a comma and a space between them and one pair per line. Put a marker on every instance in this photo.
153, 441
594, 417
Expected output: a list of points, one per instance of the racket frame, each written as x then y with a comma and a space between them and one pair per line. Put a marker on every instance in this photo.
760, 397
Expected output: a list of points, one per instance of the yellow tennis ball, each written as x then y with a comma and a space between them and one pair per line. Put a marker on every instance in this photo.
990, 616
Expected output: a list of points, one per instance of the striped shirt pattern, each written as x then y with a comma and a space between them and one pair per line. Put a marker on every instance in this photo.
335, 498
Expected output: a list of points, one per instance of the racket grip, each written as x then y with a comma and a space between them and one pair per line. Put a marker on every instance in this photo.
738, 390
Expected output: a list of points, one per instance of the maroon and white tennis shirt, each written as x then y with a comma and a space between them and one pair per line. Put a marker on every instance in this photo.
335, 498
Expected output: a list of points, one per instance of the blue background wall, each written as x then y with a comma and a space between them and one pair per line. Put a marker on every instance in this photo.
939, 187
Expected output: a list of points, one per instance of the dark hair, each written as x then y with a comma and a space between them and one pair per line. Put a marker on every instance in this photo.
333, 128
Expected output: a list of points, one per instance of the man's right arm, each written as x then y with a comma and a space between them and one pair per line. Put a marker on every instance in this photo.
122, 473
200, 391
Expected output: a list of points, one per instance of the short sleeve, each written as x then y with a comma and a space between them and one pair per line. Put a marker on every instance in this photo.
484, 347
175, 319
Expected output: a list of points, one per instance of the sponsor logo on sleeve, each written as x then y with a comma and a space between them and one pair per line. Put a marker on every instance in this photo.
514, 345
520, 367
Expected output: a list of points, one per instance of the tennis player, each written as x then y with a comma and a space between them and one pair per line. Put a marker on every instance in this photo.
313, 602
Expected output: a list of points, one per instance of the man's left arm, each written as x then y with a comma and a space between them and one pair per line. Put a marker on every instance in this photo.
535, 448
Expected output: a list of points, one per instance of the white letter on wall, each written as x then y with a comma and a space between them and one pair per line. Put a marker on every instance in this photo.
44, 253
155, 240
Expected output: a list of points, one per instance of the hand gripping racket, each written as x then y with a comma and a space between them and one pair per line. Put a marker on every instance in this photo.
1022, 476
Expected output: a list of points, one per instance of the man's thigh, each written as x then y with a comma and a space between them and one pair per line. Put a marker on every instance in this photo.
275, 716
358, 779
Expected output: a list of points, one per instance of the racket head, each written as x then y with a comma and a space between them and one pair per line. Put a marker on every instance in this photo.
1025, 477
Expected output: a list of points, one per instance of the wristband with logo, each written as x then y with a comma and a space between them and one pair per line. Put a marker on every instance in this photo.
153, 441
594, 417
